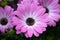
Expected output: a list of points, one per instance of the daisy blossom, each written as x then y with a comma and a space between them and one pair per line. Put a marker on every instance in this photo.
31, 19
53, 9
5, 18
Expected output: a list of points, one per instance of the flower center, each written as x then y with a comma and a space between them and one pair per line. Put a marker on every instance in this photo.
30, 21
59, 2
3, 21
47, 10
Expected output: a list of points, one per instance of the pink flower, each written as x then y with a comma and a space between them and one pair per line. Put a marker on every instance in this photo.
53, 8
31, 19
6, 18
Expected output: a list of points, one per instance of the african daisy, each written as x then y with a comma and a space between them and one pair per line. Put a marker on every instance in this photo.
6, 18
53, 9
30, 19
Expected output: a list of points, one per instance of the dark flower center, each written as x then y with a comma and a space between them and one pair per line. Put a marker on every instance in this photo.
47, 10
30, 21
59, 2
3, 21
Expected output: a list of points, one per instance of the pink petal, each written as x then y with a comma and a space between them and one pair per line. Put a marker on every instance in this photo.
52, 23
16, 20
54, 2
34, 7
30, 32
36, 34
21, 8
18, 27
43, 29
18, 13
1, 10
18, 32
45, 18
49, 2
38, 29
23, 29
40, 11
10, 26
2, 30
8, 9
42, 24
26, 35
55, 17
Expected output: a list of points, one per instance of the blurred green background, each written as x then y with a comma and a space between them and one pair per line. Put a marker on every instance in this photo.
52, 33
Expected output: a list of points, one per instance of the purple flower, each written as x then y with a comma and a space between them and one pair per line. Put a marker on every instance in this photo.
31, 19
6, 18
53, 9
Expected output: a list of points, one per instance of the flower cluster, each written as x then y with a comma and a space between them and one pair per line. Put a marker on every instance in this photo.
31, 17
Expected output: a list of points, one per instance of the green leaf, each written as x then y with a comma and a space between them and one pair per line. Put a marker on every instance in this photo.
3, 3
10, 33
